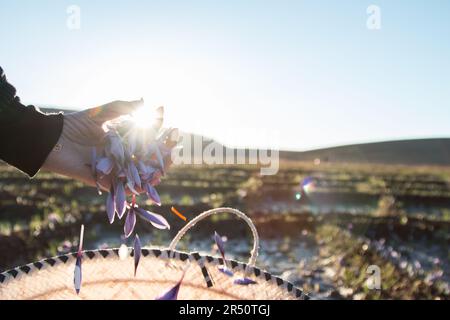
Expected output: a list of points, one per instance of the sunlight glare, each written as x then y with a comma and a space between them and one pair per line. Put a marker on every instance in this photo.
145, 117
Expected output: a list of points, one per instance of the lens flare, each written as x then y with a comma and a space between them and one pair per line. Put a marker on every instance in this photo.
146, 117
308, 185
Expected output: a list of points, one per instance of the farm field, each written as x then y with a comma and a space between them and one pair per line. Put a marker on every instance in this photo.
322, 225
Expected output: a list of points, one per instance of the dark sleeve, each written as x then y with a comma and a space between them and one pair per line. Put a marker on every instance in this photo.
26, 135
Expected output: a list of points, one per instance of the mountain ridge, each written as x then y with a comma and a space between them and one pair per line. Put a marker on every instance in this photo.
427, 151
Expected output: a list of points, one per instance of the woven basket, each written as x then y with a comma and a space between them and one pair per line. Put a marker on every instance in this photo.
107, 276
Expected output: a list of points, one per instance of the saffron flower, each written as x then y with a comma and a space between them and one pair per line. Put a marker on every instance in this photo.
134, 160
221, 247
244, 281
172, 293
77, 273
137, 252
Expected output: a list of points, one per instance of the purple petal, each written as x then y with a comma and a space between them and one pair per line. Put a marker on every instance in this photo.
225, 270
130, 222
121, 174
244, 281
132, 141
145, 171
120, 197
130, 186
158, 221
137, 253
105, 165
114, 147
130, 182
135, 174
111, 205
77, 273
172, 294
77, 277
152, 194
142, 167
153, 149
220, 244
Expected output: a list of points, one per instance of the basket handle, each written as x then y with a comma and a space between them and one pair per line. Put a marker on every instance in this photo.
205, 214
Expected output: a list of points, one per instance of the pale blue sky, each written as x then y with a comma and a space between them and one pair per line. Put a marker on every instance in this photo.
296, 74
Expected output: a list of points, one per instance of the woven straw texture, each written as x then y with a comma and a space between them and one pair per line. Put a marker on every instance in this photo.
106, 276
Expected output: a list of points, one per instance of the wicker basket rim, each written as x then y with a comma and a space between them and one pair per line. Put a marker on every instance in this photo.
201, 260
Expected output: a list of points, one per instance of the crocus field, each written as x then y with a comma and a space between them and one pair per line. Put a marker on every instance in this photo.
321, 226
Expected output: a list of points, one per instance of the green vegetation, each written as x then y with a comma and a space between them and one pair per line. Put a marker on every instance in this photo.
322, 239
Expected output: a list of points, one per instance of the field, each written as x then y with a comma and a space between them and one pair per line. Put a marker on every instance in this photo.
322, 225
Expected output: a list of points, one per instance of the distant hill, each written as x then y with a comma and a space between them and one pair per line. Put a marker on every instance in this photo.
407, 152
410, 152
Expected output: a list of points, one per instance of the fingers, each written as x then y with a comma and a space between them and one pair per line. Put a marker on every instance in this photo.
113, 110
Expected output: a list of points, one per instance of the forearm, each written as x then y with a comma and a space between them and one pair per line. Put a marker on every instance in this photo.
26, 135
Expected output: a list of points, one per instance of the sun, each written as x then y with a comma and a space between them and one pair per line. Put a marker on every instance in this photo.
146, 117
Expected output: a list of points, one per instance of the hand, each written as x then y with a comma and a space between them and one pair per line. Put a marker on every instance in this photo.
83, 130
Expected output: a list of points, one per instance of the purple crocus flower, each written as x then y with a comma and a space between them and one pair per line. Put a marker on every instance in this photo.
114, 147
132, 140
154, 150
130, 181
158, 221
144, 171
244, 281
225, 270
104, 165
137, 252
221, 247
77, 273
130, 222
134, 164
152, 194
172, 294
111, 205
220, 244
134, 174
120, 197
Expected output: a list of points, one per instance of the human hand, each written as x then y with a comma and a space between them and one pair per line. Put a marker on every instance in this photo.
82, 131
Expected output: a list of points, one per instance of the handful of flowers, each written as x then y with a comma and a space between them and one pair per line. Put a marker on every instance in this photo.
133, 159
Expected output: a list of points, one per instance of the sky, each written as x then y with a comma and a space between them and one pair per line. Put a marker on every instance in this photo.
293, 75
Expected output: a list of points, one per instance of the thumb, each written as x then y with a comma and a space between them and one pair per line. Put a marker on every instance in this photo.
113, 110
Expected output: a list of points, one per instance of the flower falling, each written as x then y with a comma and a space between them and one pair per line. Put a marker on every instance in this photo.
137, 252
134, 159
172, 293
77, 273
223, 268
221, 247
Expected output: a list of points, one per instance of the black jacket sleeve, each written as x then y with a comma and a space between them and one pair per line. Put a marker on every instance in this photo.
26, 135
